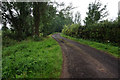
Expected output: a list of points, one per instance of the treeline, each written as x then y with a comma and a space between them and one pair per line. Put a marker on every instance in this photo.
94, 29
33, 19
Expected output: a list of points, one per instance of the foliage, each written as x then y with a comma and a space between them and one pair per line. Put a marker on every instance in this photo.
105, 31
77, 18
71, 30
102, 31
113, 50
8, 42
31, 59
62, 17
95, 13
31, 19
8, 38
17, 15
39, 9
36, 38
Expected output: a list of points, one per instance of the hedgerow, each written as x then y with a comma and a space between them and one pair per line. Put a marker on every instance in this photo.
105, 31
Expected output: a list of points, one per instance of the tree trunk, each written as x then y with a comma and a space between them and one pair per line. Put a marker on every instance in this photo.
36, 13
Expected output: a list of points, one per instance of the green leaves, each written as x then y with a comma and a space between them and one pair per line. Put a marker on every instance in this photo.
101, 32
77, 18
31, 59
95, 13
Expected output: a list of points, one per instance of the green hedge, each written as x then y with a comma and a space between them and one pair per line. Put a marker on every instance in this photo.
103, 32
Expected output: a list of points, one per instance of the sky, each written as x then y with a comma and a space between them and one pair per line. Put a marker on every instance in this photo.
82, 7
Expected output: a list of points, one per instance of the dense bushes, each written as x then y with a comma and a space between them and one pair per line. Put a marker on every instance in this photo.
32, 59
71, 30
8, 38
105, 31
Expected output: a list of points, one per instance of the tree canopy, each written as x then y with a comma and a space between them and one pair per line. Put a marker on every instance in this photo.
34, 18
95, 13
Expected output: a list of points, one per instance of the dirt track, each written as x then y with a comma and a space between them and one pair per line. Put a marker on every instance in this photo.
81, 61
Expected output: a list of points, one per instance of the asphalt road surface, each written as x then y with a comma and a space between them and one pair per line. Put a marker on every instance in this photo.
82, 61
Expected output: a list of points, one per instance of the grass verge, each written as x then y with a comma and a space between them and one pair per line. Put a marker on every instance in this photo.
32, 59
113, 50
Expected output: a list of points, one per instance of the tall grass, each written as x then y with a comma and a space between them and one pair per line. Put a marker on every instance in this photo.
31, 59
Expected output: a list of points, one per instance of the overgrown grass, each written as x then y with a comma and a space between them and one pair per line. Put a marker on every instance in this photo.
32, 59
113, 50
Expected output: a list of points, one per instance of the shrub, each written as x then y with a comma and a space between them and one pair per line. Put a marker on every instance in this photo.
6, 41
37, 38
106, 31
71, 30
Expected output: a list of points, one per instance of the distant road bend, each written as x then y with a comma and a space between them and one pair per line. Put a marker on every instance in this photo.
82, 61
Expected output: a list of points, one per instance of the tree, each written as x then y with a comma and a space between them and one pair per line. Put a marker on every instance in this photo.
28, 19
16, 15
48, 19
95, 13
77, 18
56, 19
36, 14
